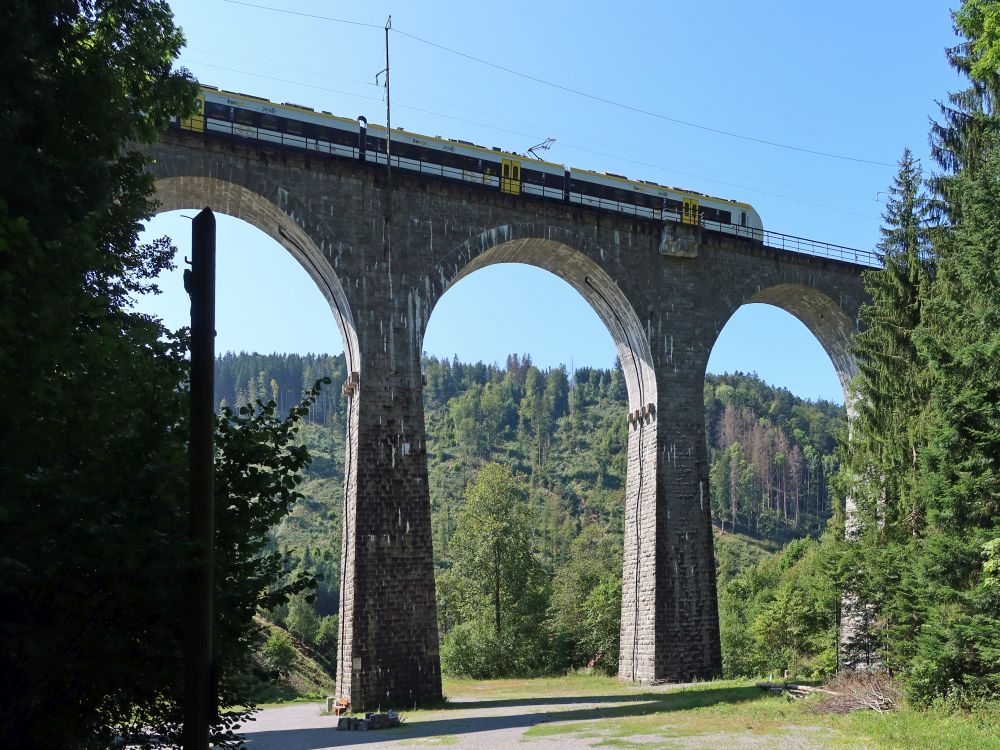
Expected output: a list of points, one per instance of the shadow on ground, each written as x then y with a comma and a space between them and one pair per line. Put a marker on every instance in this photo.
629, 706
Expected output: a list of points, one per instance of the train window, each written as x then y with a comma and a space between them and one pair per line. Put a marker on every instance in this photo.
647, 201
294, 127
269, 122
717, 215
217, 111
407, 151
743, 218
532, 177
244, 117
327, 134
344, 137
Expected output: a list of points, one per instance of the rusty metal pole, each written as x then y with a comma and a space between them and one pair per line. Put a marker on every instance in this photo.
199, 698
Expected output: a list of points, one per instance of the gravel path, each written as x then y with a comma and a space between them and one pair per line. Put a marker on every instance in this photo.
485, 725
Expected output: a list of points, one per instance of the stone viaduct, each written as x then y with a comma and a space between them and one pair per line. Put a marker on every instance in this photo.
383, 251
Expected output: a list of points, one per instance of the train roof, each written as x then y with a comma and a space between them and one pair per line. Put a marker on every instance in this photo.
469, 146
492, 152
648, 184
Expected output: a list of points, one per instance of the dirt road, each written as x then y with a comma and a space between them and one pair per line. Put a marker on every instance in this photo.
476, 725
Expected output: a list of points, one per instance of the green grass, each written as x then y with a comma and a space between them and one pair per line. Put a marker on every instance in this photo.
730, 714
574, 684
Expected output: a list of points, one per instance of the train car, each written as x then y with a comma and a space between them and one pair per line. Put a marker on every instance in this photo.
246, 117
249, 117
469, 162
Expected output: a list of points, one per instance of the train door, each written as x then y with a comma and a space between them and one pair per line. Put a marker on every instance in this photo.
197, 120
689, 212
510, 176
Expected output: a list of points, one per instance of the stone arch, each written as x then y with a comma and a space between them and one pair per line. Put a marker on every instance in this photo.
570, 257
828, 322
234, 200
832, 323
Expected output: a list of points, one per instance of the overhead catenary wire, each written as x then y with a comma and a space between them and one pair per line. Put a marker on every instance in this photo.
527, 135
579, 92
663, 164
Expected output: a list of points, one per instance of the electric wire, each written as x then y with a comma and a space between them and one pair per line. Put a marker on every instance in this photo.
306, 15
578, 92
526, 135
562, 134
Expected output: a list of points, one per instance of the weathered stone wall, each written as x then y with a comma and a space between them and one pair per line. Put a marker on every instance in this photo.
384, 257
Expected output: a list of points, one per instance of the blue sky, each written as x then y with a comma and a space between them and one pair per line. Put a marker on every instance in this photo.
854, 80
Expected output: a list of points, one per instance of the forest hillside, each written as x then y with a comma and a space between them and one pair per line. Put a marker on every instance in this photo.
562, 435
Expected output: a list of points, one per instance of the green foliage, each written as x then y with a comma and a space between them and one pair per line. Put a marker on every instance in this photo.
770, 457
279, 651
924, 455
475, 649
326, 638
574, 495
94, 465
782, 612
94, 509
302, 620
499, 586
585, 607
601, 627
891, 389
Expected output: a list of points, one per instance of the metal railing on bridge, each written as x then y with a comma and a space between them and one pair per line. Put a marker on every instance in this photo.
791, 243
776, 240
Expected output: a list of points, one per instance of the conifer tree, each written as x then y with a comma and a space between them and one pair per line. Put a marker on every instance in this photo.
970, 121
890, 391
881, 470
958, 647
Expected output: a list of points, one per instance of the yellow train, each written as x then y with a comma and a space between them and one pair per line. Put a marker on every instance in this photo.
233, 115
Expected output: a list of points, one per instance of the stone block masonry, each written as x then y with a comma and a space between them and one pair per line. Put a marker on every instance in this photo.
383, 254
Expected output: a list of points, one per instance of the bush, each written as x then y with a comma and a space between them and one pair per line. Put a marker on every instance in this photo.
302, 619
326, 638
474, 649
602, 625
279, 651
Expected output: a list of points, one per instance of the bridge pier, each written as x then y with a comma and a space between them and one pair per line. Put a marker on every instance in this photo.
670, 631
388, 640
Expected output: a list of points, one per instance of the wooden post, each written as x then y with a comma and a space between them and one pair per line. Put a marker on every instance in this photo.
199, 688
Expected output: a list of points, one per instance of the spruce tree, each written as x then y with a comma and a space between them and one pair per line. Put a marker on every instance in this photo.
969, 120
886, 436
890, 391
957, 651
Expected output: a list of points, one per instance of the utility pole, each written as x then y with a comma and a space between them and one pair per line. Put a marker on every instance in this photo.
199, 683
388, 109
387, 210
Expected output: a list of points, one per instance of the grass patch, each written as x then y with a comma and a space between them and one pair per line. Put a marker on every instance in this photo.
600, 711
574, 684
738, 715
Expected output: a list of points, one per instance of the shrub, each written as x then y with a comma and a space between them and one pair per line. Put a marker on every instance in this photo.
279, 651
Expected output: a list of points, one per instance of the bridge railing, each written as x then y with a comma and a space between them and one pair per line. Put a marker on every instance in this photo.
791, 243
777, 240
